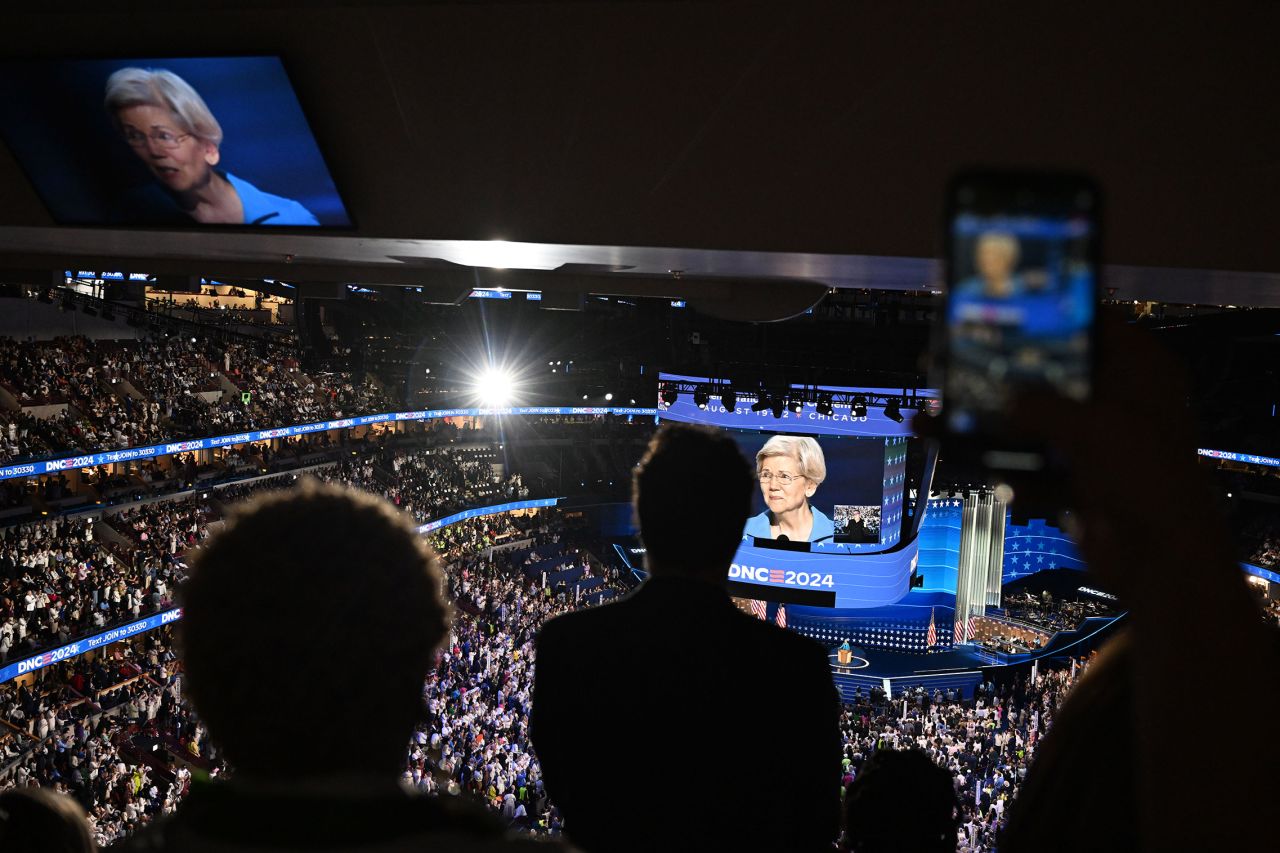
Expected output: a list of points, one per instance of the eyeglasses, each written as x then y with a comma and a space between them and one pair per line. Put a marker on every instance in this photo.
166, 139
783, 478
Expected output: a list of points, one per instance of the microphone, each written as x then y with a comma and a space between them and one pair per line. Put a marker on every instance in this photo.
782, 537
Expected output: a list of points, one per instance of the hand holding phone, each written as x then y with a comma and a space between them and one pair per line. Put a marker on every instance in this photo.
1022, 295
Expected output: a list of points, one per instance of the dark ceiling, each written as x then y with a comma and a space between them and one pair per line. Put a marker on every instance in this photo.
827, 129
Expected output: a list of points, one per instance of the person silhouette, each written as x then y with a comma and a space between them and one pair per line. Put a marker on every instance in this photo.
901, 801
701, 690
311, 684
1117, 723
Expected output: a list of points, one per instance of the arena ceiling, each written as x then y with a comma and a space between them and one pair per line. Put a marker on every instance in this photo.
790, 144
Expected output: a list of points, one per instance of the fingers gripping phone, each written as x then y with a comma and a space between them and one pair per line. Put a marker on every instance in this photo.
1021, 310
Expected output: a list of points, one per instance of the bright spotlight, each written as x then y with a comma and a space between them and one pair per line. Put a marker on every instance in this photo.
608, 396
495, 388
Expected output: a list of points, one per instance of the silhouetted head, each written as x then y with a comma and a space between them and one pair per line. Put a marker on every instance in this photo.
37, 820
901, 801
309, 624
692, 496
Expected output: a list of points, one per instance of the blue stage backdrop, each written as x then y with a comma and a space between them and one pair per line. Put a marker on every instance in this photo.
53, 118
1035, 546
1028, 548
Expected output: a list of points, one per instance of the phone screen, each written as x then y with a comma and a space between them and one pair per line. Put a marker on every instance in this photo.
1022, 284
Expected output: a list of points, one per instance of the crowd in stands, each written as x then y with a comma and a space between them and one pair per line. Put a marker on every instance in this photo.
477, 740
216, 313
87, 728
1271, 610
434, 483
986, 744
59, 580
1265, 537
1052, 614
1009, 641
79, 727
178, 392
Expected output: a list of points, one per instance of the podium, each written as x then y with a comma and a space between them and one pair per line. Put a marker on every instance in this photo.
844, 657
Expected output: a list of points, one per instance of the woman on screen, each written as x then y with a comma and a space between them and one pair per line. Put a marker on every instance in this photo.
171, 129
790, 469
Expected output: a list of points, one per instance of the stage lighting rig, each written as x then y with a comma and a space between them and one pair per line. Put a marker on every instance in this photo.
761, 404
892, 410
859, 407
796, 405
824, 406
669, 396
729, 398
701, 398
777, 404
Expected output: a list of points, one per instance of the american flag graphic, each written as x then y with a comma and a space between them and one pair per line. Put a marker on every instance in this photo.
963, 631
758, 608
781, 618
932, 638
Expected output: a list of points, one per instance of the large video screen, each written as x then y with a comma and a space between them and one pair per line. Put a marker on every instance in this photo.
167, 142
827, 520
816, 489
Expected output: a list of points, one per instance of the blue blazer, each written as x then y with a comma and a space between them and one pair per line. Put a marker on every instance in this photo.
263, 208
823, 527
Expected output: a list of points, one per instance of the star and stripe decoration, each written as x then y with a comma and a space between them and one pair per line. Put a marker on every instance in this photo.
1028, 548
1035, 546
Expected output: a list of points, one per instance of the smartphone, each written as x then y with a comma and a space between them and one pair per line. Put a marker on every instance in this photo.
1022, 278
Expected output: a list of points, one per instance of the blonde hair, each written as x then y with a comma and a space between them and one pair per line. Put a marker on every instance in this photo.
1003, 241
806, 451
131, 87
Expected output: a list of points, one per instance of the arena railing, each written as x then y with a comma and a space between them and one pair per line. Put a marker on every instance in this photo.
135, 627
155, 451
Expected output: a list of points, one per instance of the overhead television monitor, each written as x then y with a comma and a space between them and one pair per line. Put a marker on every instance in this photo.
186, 142
826, 527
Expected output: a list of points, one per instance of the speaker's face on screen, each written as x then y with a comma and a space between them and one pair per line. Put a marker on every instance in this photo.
783, 486
180, 160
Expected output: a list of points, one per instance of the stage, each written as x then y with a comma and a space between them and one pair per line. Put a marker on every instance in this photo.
958, 669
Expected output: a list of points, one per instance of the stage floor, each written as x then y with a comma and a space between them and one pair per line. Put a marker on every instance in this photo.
881, 663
